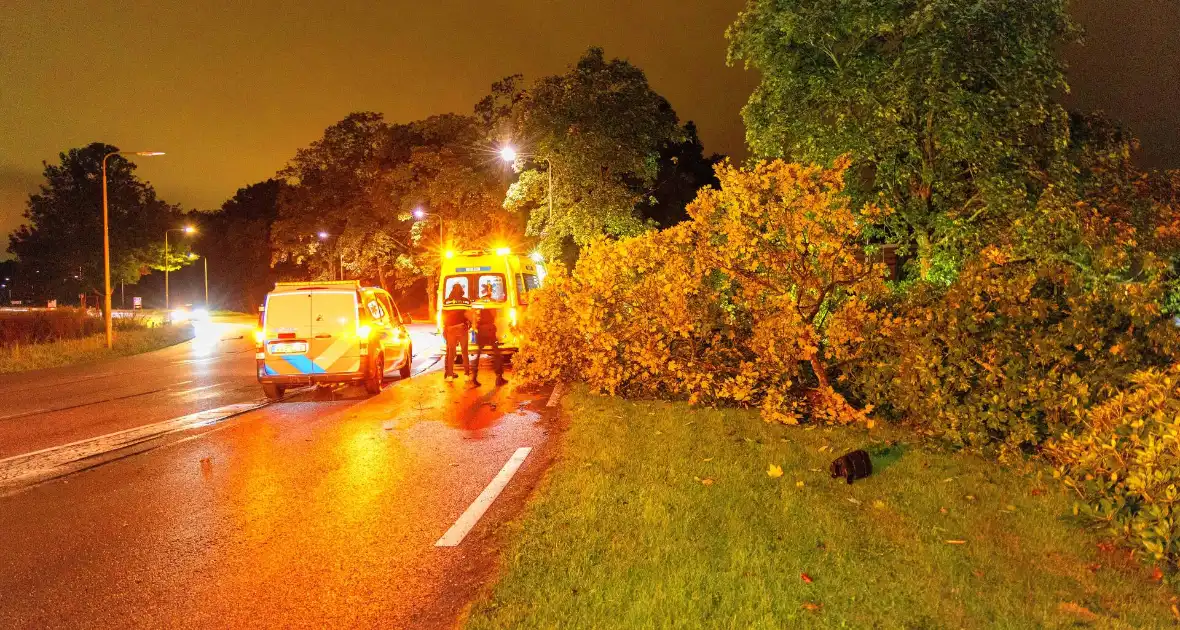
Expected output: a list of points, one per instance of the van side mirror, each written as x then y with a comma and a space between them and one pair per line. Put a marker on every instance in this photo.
406, 319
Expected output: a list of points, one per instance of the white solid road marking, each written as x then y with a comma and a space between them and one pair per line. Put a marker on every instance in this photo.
46, 460
475, 511
197, 389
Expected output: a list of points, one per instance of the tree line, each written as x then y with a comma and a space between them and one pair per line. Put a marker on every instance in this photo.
379, 201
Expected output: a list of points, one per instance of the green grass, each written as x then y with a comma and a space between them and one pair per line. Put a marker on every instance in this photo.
87, 349
624, 532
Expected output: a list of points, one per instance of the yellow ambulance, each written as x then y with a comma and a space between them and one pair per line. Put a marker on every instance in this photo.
330, 332
492, 279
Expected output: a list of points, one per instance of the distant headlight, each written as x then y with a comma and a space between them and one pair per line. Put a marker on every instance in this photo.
179, 315
201, 314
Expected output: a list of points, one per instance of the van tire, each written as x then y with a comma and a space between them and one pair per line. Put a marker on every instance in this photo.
376, 375
273, 391
404, 372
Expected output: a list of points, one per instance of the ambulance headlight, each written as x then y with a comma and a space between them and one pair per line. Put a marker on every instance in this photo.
363, 331
512, 317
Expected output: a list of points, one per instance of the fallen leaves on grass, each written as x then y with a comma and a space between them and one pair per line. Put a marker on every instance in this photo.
806, 578
1077, 610
799, 484
774, 471
1157, 575
879, 504
707, 481
956, 542
812, 606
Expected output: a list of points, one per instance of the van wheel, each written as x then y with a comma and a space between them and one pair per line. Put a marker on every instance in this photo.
404, 372
273, 391
376, 376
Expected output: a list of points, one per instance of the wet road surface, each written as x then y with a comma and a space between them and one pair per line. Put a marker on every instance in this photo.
321, 510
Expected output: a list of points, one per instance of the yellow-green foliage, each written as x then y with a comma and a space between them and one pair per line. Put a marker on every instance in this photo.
1011, 352
745, 304
1124, 463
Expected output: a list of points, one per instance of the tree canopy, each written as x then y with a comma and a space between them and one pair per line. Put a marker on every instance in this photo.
600, 127
947, 108
60, 245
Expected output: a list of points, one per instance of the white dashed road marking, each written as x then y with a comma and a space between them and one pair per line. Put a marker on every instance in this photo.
556, 395
475, 511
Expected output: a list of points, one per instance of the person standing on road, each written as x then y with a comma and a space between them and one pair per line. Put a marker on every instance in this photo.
485, 337
455, 326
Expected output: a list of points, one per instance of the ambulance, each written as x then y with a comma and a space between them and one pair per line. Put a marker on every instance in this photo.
493, 279
330, 332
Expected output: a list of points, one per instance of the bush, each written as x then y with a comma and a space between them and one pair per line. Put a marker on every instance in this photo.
33, 327
1011, 352
1124, 463
747, 303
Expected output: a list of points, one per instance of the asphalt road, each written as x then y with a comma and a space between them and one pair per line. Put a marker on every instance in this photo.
318, 511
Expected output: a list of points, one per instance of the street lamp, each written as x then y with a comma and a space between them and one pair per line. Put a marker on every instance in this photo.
106, 241
508, 154
188, 229
323, 237
421, 214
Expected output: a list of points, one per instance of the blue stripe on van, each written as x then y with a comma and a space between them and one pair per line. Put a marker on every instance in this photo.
303, 364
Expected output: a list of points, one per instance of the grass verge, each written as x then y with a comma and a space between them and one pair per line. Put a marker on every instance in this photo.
87, 349
660, 515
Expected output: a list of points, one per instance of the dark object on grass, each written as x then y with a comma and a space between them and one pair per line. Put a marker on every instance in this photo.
852, 466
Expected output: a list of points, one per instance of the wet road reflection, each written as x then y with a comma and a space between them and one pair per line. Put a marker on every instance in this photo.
319, 511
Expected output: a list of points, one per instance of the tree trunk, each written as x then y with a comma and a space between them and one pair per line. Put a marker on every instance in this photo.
821, 371
925, 254
381, 275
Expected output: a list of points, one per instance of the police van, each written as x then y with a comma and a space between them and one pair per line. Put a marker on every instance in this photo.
330, 332
492, 279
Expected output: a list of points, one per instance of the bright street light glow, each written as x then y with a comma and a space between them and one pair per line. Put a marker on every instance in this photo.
188, 229
508, 154
323, 235
503, 251
419, 214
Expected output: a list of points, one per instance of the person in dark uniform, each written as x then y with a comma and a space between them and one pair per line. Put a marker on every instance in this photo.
455, 326
485, 337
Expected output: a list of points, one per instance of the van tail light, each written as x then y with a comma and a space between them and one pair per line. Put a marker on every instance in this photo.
259, 336
512, 317
286, 335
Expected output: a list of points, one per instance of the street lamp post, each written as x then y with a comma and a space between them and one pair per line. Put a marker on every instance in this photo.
421, 214
324, 237
508, 154
106, 242
188, 229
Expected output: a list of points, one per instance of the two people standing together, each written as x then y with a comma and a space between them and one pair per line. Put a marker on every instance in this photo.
456, 321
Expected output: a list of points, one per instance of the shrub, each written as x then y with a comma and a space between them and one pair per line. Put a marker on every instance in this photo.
33, 327
1011, 352
1124, 463
747, 303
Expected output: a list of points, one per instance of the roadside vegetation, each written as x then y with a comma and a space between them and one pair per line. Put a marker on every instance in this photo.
660, 514
33, 340
1031, 319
